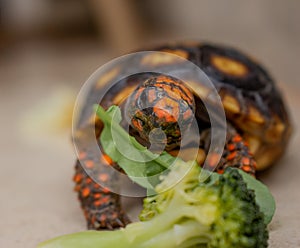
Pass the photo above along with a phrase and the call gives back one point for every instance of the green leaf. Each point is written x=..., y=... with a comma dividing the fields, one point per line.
x=263, y=196
x=141, y=165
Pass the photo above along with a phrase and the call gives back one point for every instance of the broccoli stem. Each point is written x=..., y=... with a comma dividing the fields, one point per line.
x=182, y=233
x=89, y=239
x=185, y=234
x=164, y=221
x=154, y=233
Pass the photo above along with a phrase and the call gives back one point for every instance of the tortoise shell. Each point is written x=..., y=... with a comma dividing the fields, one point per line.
x=252, y=102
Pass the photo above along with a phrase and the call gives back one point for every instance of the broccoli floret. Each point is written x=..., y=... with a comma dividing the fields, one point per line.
x=223, y=207
x=220, y=212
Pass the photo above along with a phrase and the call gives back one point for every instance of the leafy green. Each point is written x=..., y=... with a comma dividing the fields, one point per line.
x=141, y=165
x=263, y=197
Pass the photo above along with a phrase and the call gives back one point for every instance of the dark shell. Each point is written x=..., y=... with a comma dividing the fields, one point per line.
x=252, y=102
x=251, y=99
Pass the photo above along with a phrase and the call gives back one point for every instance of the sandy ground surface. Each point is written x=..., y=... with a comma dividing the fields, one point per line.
x=36, y=162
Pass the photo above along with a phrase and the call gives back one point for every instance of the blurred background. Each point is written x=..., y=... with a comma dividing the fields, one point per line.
x=48, y=48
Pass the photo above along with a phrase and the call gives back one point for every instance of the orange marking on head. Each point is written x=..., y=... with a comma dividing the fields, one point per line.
x=220, y=171
x=168, y=88
x=179, y=95
x=162, y=79
x=137, y=124
x=158, y=84
x=175, y=108
x=85, y=192
x=162, y=112
x=183, y=91
x=159, y=112
x=176, y=92
x=170, y=102
x=161, y=104
x=170, y=118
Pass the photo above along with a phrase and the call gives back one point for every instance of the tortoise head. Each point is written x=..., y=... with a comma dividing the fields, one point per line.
x=160, y=110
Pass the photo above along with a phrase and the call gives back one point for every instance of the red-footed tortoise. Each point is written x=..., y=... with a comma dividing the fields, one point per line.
x=258, y=123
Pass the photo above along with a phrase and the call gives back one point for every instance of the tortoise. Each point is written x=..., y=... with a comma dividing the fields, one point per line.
x=258, y=129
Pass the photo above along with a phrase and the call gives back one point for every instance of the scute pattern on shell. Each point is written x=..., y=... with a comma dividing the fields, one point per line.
x=252, y=102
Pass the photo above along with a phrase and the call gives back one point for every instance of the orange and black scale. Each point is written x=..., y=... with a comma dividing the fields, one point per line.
x=162, y=102
x=236, y=154
x=100, y=206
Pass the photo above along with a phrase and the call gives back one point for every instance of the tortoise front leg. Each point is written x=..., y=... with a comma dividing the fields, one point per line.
x=102, y=208
x=236, y=153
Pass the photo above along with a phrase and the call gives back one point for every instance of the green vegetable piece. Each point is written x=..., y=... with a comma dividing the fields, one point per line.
x=221, y=212
x=87, y=239
x=140, y=164
x=263, y=197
